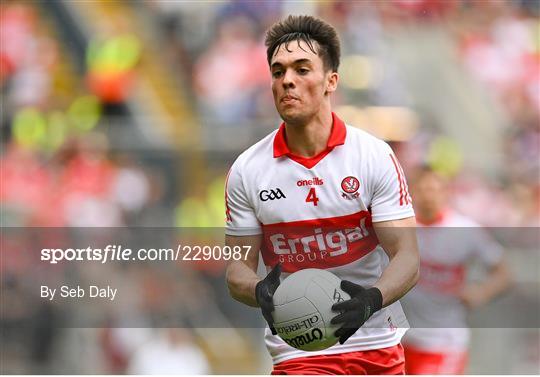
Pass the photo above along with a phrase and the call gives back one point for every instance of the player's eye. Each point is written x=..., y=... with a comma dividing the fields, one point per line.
x=277, y=74
x=303, y=71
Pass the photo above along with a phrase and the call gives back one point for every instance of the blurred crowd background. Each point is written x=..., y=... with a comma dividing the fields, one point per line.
x=129, y=114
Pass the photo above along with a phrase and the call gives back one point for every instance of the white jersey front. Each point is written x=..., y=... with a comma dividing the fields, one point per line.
x=317, y=213
x=434, y=309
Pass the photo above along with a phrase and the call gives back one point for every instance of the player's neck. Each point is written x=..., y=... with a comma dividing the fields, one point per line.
x=310, y=139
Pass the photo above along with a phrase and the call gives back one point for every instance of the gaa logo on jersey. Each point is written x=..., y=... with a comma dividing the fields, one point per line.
x=266, y=195
x=350, y=186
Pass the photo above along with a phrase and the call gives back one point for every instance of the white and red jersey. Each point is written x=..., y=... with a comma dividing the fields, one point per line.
x=434, y=309
x=316, y=213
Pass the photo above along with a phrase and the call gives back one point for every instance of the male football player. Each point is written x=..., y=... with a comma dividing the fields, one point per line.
x=436, y=308
x=317, y=193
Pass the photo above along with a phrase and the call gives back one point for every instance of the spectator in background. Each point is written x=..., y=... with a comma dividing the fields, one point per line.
x=436, y=308
x=130, y=187
x=17, y=28
x=230, y=71
x=111, y=59
x=86, y=184
x=27, y=58
x=23, y=189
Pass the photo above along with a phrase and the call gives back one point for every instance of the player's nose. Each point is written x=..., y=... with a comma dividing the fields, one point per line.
x=288, y=79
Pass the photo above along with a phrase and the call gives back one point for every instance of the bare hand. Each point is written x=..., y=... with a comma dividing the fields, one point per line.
x=473, y=296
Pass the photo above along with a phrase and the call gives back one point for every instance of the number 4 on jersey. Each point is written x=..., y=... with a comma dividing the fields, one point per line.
x=312, y=197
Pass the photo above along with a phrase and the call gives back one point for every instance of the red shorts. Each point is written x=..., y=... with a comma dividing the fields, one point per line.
x=422, y=362
x=389, y=360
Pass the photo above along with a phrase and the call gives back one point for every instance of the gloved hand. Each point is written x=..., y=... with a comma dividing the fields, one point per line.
x=356, y=311
x=264, y=294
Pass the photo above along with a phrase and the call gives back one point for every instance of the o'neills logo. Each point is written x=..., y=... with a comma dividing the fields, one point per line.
x=310, y=182
x=308, y=337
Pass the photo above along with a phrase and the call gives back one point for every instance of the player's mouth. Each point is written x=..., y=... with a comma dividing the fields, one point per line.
x=288, y=99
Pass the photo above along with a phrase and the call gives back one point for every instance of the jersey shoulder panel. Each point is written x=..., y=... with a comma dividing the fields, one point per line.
x=370, y=148
x=365, y=139
x=386, y=186
x=241, y=206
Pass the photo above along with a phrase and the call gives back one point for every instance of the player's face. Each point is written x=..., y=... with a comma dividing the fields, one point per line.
x=300, y=83
x=429, y=195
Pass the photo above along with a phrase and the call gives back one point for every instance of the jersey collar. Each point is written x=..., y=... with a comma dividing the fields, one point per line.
x=337, y=137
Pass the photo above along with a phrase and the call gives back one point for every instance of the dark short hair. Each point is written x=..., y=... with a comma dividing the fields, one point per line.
x=307, y=29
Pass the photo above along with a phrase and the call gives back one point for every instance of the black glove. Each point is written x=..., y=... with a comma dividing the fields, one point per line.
x=356, y=311
x=264, y=294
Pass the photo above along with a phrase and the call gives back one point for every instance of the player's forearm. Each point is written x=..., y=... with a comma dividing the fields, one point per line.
x=241, y=281
x=498, y=281
x=399, y=277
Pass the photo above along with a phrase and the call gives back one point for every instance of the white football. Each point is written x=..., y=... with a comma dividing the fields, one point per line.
x=303, y=303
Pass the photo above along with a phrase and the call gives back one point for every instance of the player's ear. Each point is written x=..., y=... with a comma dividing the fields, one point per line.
x=332, y=79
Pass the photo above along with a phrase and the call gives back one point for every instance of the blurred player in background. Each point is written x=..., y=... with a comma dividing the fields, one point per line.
x=436, y=308
x=315, y=174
